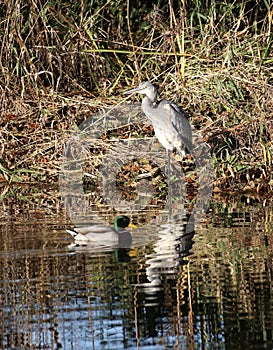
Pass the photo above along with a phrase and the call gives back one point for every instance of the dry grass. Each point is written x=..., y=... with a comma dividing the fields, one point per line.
x=61, y=63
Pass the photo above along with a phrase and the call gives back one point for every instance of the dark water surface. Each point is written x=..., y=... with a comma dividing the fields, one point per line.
x=209, y=289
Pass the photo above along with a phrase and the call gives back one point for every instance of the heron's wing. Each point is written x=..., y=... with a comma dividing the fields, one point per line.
x=179, y=122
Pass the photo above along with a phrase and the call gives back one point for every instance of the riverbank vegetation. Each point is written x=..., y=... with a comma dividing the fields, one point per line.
x=62, y=61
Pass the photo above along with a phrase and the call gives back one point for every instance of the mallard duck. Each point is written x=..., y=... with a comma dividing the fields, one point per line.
x=104, y=235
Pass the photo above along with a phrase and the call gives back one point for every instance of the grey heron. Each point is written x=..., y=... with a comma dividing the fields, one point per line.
x=171, y=126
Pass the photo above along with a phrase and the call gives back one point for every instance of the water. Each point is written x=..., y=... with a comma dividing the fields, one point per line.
x=209, y=289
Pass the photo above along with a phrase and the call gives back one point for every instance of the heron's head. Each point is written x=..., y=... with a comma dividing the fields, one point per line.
x=144, y=88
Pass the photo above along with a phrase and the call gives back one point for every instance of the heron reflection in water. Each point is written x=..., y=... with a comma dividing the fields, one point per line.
x=171, y=126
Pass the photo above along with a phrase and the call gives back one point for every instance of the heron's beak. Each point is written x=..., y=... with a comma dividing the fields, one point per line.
x=131, y=91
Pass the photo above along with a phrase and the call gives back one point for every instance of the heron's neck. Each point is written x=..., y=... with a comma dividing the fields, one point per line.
x=148, y=102
x=152, y=95
x=148, y=107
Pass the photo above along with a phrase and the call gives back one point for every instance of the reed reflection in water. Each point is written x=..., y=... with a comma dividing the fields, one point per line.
x=210, y=290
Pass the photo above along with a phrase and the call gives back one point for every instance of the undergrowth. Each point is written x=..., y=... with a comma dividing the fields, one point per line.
x=62, y=61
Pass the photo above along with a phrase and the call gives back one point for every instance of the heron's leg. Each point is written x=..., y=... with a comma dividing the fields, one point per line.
x=168, y=174
x=168, y=170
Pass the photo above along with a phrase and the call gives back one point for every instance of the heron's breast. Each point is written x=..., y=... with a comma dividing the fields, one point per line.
x=164, y=138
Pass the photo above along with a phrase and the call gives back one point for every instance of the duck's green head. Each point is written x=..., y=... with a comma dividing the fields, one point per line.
x=122, y=221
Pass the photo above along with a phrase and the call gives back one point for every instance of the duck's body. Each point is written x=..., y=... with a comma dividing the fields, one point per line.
x=171, y=126
x=104, y=235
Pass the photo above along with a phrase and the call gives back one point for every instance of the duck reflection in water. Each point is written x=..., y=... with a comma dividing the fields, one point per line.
x=114, y=237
